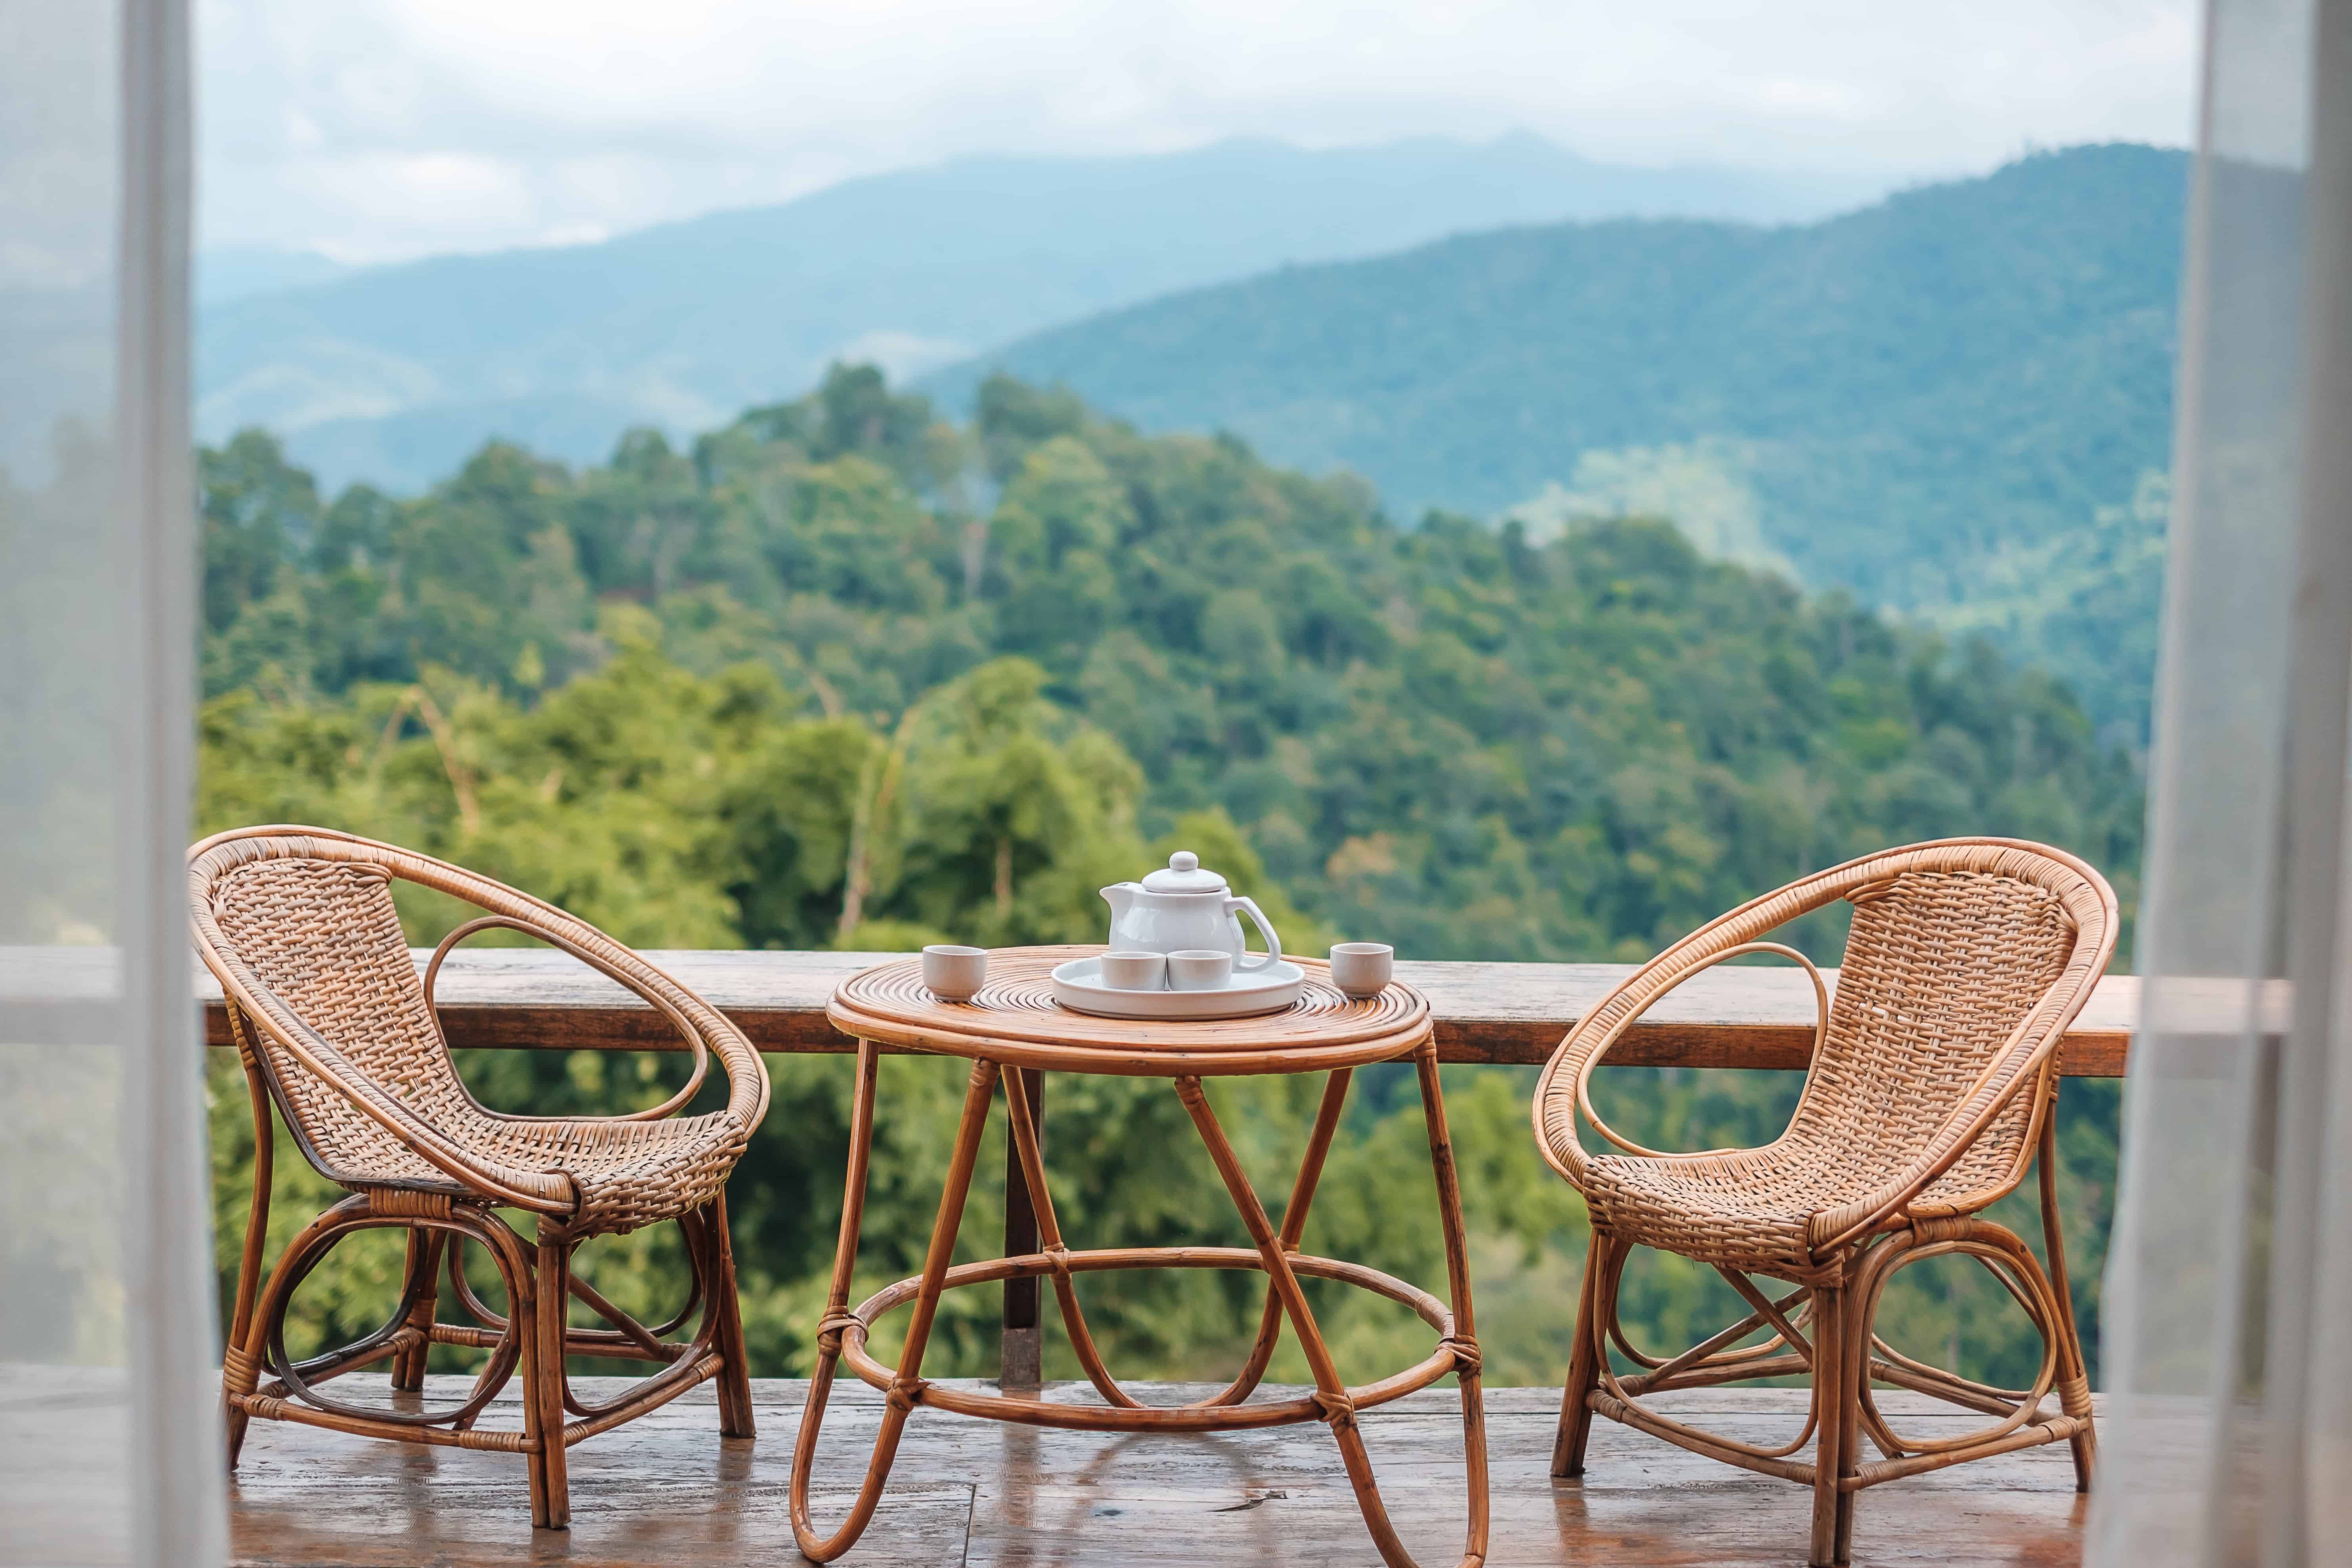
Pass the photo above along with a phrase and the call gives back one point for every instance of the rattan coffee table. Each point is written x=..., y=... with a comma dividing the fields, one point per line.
x=1015, y=1026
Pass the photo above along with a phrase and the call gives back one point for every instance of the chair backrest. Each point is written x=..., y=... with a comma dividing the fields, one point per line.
x=1966, y=960
x=1944, y=964
x=299, y=926
x=306, y=922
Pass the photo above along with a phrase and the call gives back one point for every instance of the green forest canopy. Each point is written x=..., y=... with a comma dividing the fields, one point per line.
x=1908, y=388
x=845, y=673
x=1947, y=401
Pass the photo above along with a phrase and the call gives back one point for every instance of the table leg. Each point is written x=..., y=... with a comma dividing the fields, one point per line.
x=1330, y=1390
x=1294, y=1229
x=1030, y=1173
x=1466, y=1361
x=907, y=1387
x=1022, y=1364
x=1029, y=1164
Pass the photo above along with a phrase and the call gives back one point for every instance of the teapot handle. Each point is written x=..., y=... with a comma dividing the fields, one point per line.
x=1244, y=964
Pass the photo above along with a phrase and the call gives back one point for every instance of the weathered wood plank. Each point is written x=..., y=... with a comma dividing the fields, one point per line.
x=1510, y=1013
x=664, y=1492
x=1503, y=1013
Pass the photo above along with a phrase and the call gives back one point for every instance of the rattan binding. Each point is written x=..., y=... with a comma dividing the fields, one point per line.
x=337, y=1029
x=1930, y=1092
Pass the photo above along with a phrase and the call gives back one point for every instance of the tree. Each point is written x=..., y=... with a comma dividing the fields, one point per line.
x=772, y=695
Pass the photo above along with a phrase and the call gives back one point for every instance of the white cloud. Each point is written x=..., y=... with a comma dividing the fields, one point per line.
x=382, y=128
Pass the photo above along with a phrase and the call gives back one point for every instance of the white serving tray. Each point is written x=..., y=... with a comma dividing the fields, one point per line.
x=1078, y=985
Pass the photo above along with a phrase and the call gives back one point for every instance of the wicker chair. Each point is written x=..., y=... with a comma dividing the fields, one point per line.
x=1932, y=1085
x=334, y=1026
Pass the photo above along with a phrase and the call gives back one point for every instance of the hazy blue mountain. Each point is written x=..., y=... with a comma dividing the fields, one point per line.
x=1895, y=399
x=394, y=374
x=227, y=272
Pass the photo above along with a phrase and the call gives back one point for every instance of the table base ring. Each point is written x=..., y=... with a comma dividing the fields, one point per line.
x=843, y=1332
x=1446, y=1358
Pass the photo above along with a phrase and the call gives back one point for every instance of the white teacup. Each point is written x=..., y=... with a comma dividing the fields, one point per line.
x=954, y=973
x=1362, y=970
x=1134, y=971
x=1199, y=969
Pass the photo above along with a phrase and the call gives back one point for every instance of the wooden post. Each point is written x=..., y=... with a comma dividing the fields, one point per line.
x=1022, y=1358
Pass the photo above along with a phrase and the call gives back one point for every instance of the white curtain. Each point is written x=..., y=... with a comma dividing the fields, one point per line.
x=2227, y=1312
x=108, y=1426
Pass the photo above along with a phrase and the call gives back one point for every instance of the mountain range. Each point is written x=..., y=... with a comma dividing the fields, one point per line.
x=227, y=272
x=392, y=374
x=1885, y=399
x=1956, y=401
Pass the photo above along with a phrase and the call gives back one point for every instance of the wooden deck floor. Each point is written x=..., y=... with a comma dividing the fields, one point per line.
x=664, y=1492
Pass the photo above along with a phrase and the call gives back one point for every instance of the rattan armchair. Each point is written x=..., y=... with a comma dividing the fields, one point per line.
x=1931, y=1089
x=336, y=1028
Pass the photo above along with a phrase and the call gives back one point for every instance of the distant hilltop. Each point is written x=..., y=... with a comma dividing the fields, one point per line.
x=1954, y=402
x=394, y=374
x=1885, y=399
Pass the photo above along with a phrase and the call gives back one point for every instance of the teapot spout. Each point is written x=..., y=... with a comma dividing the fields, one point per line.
x=1120, y=897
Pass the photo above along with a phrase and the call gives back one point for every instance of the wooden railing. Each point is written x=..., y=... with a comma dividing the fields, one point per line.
x=528, y=998
x=1495, y=1012
x=523, y=998
x=533, y=999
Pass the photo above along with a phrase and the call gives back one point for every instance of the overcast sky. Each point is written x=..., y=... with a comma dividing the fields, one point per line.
x=376, y=129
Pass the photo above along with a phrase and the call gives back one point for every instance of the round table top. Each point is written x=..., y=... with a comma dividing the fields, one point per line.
x=1015, y=1019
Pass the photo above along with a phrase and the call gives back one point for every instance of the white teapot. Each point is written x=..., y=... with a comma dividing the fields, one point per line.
x=1185, y=907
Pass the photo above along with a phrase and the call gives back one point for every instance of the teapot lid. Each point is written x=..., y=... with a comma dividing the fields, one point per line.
x=1184, y=874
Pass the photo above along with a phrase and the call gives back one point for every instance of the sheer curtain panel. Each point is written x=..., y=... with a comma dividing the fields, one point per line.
x=2229, y=1302
x=108, y=1424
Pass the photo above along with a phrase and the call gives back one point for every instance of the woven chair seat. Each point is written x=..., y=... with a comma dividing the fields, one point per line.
x=654, y=1170
x=1758, y=1209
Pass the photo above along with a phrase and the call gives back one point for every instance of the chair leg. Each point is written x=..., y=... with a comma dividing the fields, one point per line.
x=2084, y=1442
x=1583, y=1364
x=1854, y=1339
x=719, y=1279
x=240, y=1375
x=522, y=1307
x=240, y=1372
x=420, y=1287
x=551, y=1497
x=2074, y=1373
x=1831, y=1396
